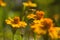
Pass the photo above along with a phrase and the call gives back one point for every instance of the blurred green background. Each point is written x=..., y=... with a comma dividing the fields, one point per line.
x=14, y=8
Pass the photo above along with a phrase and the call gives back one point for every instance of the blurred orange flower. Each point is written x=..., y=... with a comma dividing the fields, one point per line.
x=40, y=14
x=48, y=23
x=3, y=4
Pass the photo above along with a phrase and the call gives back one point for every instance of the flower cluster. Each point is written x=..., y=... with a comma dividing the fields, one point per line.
x=38, y=22
x=40, y=25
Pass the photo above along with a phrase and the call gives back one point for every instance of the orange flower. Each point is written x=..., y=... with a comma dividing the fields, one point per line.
x=40, y=14
x=15, y=22
x=2, y=3
x=48, y=23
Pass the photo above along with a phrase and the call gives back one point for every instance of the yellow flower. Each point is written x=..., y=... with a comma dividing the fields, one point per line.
x=15, y=22
x=31, y=16
x=23, y=24
x=53, y=33
x=25, y=4
x=9, y=20
x=29, y=4
x=37, y=23
x=39, y=31
x=58, y=31
x=2, y=3
x=36, y=27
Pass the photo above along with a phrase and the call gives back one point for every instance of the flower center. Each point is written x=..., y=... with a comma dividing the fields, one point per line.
x=16, y=20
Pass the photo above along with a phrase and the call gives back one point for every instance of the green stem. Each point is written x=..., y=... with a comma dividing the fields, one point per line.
x=3, y=33
x=21, y=38
x=23, y=18
x=35, y=37
x=23, y=15
x=46, y=36
x=21, y=34
x=13, y=37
